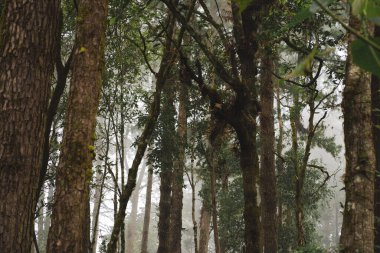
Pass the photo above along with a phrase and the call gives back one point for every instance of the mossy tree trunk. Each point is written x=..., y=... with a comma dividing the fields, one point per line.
x=358, y=218
x=70, y=213
x=375, y=94
x=267, y=168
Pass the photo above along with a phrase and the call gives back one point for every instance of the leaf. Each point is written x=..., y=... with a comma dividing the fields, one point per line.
x=306, y=13
x=112, y=21
x=365, y=56
x=243, y=4
x=299, y=17
x=373, y=11
x=358, y=6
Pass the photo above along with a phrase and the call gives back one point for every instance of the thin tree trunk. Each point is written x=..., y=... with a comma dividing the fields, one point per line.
x=214, y=163
x=131, y=225
x=62, y=73
x=267, y=170
x=299, y=215
x=179, y=164
x=279, y=147
x=195, y=226
x=204, y=227
x=148, y=199
x=28, y=36
x=358, y=218
x=375, y=93
x=166, y=63
x=69, y=228
x=100, y=179
x=41, y=222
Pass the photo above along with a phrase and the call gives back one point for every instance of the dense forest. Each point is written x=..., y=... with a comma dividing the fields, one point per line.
x=189, y=126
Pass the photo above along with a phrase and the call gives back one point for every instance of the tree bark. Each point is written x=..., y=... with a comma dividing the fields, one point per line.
x=375, y=94
x=358, y=218
x=148, y=199
x=69, y=228
x=27, y=38
x=267, y=169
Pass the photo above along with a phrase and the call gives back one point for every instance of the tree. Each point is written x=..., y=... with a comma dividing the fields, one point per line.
x=241, y=112
x=267, y=168
x=69, y=229
x=178, y=168
x=28, y=32
x=358, y=218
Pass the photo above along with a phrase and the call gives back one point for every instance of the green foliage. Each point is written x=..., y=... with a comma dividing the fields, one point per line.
x=231, y=203
x=315, y=194
x=365, y=56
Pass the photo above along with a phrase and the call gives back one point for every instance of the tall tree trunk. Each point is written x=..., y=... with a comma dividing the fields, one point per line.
x=27, y=39
x=179, y=165
x=375, y=94
x=69, y=228
x=131, y=225
x=148, y=199
x=299, y=215
x=358, y=218
x=204, y=227
x=166, y=173
x=267, y=169
x=214, y=164
x=279, y=147
x=195, y=226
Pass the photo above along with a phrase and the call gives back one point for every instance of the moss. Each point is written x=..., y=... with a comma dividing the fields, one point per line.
x=91, y=148
x=89, y=174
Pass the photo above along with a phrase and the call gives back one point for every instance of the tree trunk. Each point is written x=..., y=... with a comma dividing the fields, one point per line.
x=166, y=162
x=27, y=39
x=299, y=215
x=279, y=147
x=195, y=226
x=249, y=164
x=68, y=232
x=99, y=193
x=358, y=218
x=204, y=227
x=267, y=170
x=375, y=93
x=148, y=199
x=214, y=164
x=131, y=225
x=179, y=165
